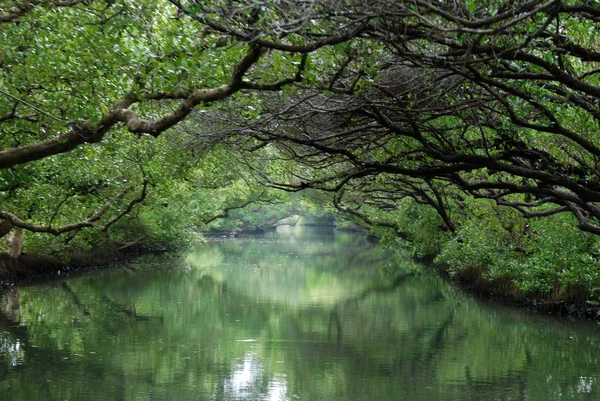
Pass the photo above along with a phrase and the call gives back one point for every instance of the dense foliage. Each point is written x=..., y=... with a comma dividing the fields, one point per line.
x=469, y=128
x=85, y=85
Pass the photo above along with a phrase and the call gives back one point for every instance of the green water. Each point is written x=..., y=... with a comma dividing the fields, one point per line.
x=295, y=315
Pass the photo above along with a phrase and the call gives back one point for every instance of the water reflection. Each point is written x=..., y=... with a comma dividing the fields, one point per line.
x=299, y=314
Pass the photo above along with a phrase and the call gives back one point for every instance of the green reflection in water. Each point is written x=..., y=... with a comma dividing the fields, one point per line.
x=298, y=314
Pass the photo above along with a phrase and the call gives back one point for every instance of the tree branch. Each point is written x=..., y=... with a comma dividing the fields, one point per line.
x=89, y=222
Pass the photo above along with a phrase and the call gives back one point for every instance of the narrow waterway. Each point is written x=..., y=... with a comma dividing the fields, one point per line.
x=301, y=314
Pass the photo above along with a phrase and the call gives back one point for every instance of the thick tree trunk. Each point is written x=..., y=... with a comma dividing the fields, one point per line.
x=15, y=243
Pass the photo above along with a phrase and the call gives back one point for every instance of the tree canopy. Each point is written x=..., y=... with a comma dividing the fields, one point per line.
x=85, y=83
x=108, y=104
x=496, y=100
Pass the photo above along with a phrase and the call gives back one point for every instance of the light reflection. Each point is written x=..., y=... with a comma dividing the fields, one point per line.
x=245, y=382
x=585, y=385
x=12, y=351
x=244, y=377
x=278, y=390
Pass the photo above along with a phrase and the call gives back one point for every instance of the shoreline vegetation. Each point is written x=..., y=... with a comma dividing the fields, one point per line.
x=572, y=301
x=504, y=290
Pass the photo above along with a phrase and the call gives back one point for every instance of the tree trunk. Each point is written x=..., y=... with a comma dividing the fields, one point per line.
x=15, y=243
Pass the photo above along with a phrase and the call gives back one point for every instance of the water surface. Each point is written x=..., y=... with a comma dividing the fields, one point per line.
x=301, y=314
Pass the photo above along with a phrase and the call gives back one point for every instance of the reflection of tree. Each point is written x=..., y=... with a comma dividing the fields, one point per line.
x=17, y=339
x=13, y=304
x=9, y=325
x=334, y=316
x=355, y=254
x=401, y=336
x=438, y=342
x=74, y=298
x=334, y=321
x=121, y=310
x=296, y=272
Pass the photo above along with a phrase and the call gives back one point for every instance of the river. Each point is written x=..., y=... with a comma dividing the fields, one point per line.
x=298, y=314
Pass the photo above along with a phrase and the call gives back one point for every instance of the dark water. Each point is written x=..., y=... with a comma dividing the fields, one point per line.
x=302, y=315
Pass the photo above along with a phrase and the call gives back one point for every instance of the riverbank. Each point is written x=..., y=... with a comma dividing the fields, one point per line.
x=29, y=269
x=571, y=301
